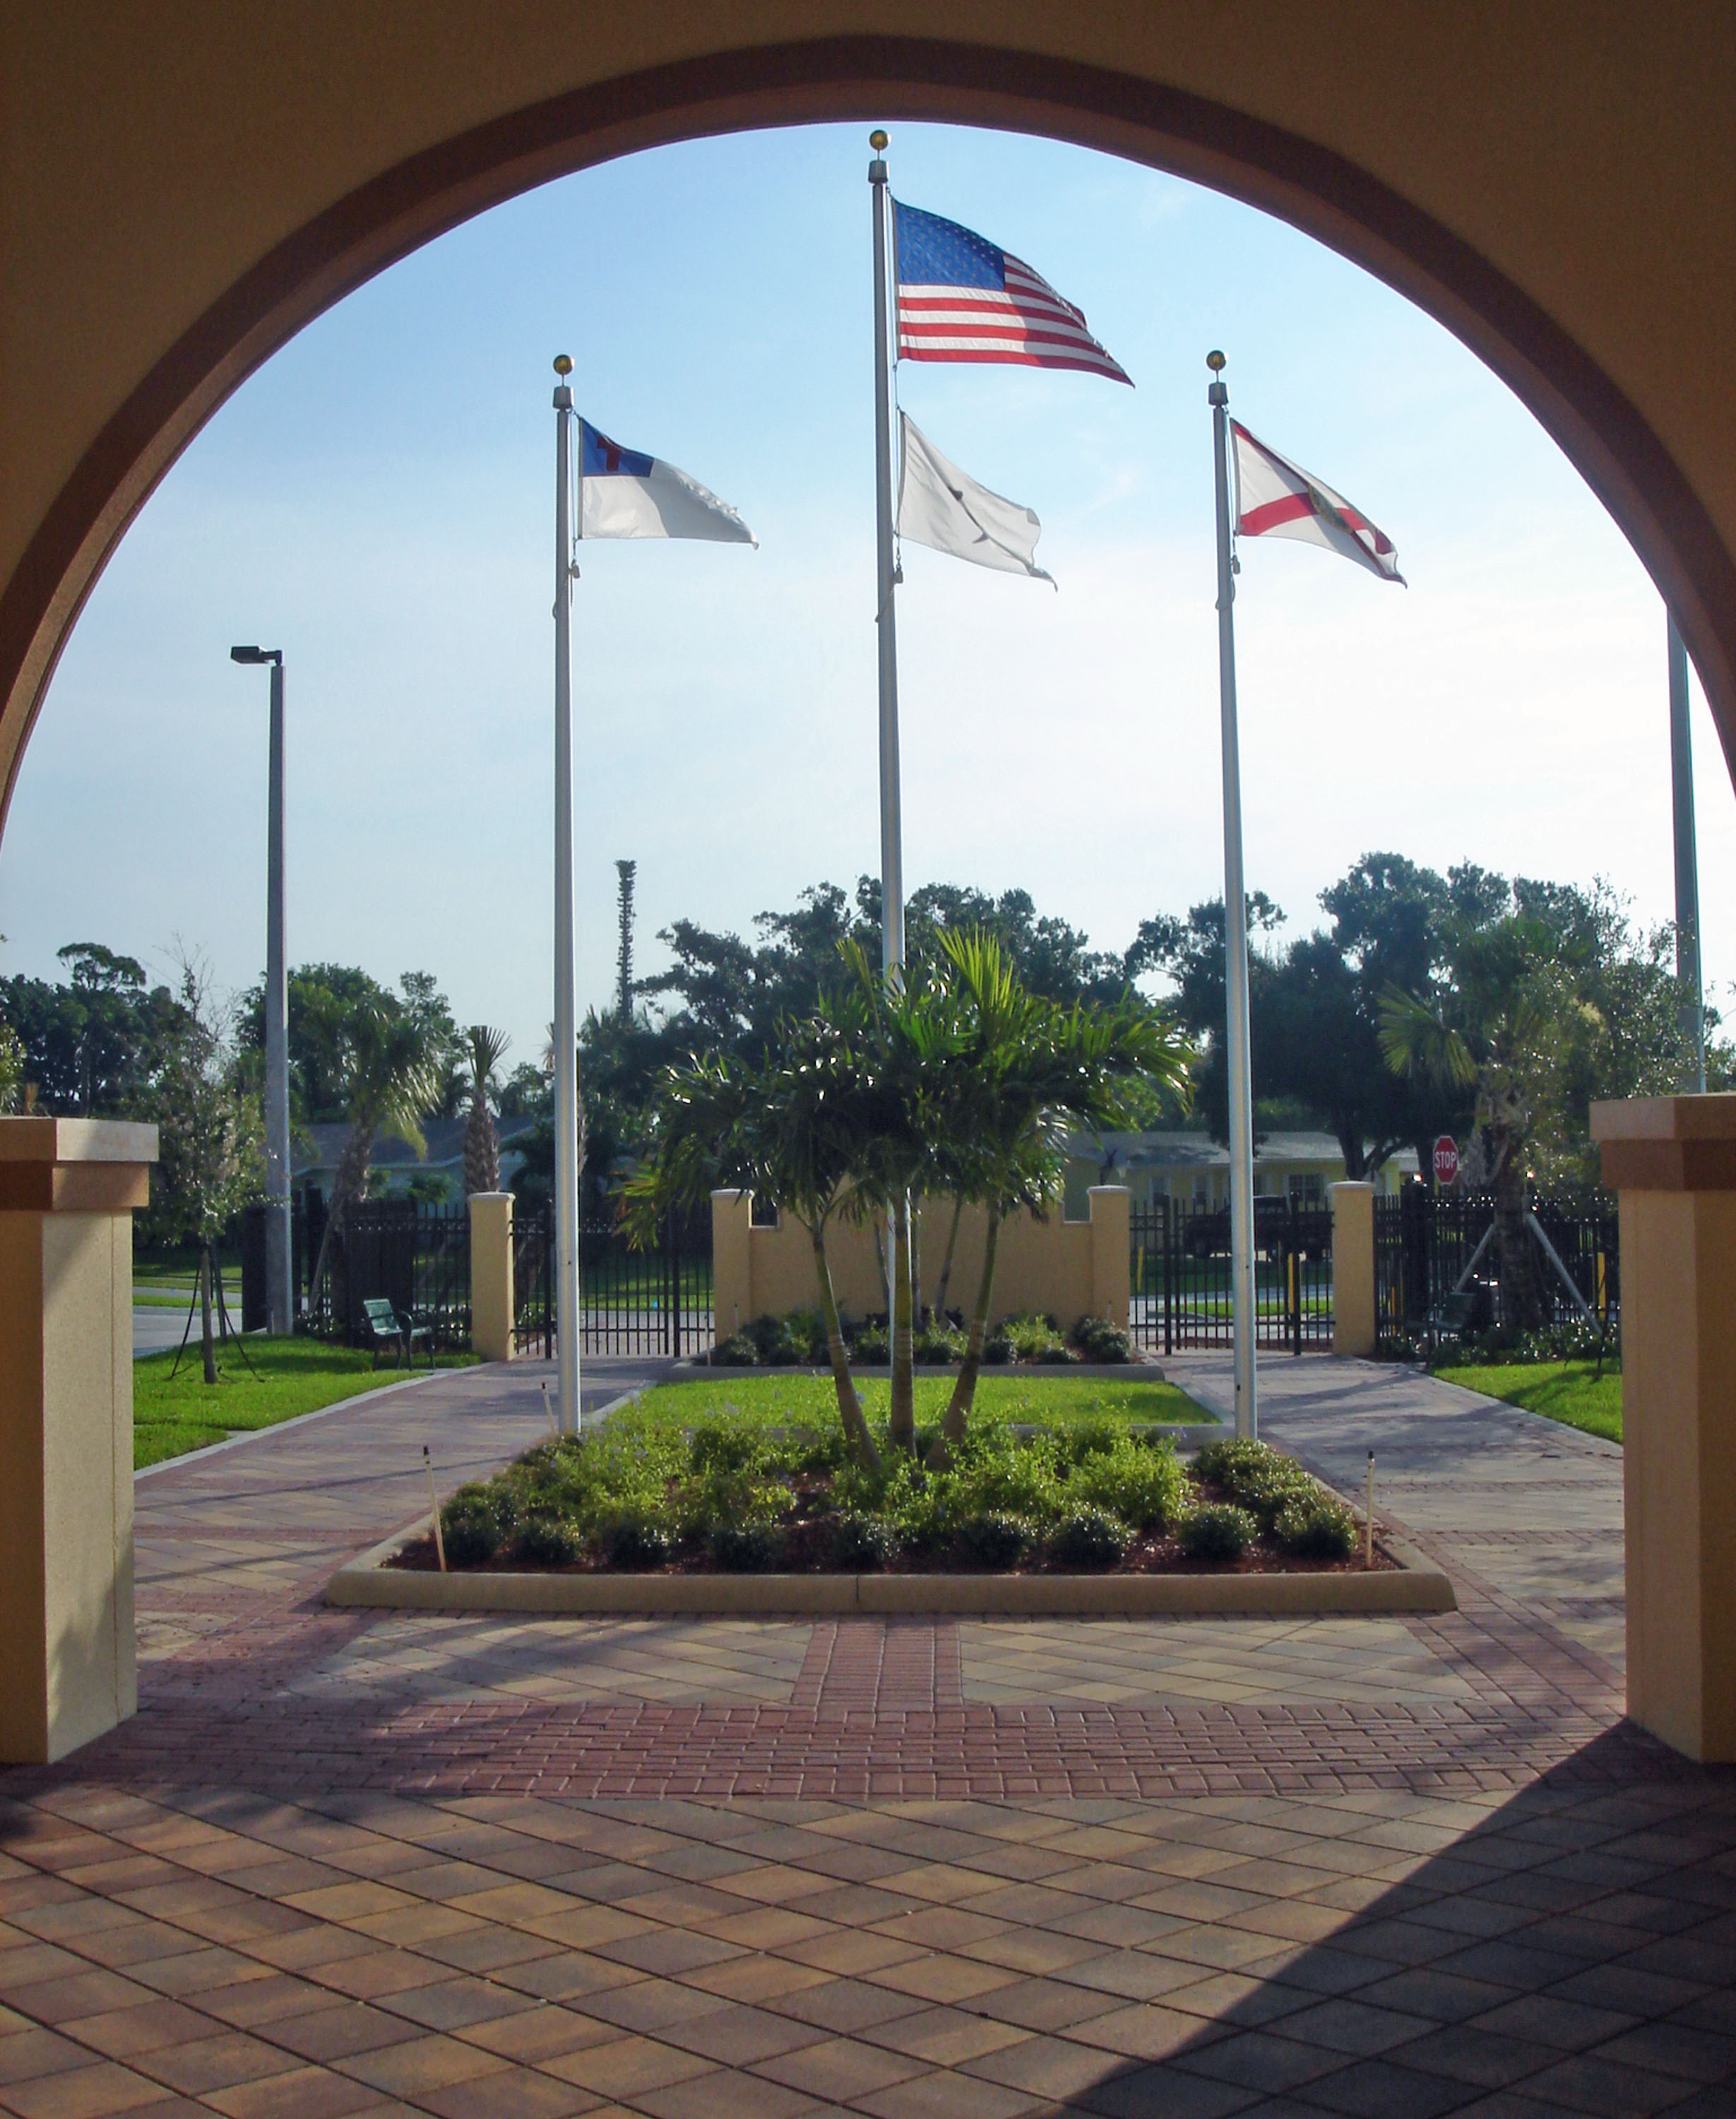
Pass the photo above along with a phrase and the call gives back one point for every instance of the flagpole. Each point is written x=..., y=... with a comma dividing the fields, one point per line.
x=566, y=1316
x=891, y=821
x=1688, y=867
x=1235, y=937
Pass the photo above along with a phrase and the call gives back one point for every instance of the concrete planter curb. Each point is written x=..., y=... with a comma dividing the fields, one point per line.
x=1085, y=1372
x=1415, y=1585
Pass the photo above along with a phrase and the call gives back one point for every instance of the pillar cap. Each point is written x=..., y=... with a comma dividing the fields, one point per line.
x=1668, y=1143
x=1666, y=1118
x=76, y=1140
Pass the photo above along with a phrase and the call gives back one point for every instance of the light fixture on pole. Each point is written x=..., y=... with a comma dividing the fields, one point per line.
x=280, y=1279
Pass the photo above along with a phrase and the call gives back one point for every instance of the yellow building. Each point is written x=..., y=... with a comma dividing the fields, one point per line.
x=1191, y=1167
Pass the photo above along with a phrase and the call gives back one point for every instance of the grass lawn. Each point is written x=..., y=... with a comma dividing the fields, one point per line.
x=1571, y=1392
x=1050, y=1400
x=295, y=1376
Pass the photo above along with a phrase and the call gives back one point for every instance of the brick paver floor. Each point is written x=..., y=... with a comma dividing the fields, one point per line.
x=350, y=1863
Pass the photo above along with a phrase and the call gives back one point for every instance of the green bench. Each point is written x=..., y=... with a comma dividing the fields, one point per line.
x=386, y=1329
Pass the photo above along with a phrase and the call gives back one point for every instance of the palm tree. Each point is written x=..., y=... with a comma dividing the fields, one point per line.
x=782, y=1130
x=483, y=1048
x=392, y=1076
x=1020, y=1068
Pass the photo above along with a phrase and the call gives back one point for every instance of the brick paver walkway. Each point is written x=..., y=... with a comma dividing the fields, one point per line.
x=367, y=1863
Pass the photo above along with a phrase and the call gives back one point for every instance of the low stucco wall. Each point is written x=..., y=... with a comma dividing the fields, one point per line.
x=1068, y=1269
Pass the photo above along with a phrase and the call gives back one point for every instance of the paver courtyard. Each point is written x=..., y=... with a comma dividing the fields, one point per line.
x=351, y=1862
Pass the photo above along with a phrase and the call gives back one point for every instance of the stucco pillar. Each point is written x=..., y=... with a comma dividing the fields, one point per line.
x=1112, y=1272
x=1673, y=1161
x=1354, y=1327
x=68, y=1189
x=732, y=1262
x=493, y=1308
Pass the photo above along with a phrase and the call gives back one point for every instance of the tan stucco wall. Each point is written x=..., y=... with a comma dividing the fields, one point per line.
x=67, y=1669
x=491, y=1309
x=1353, y=1269
x=1066, y=1269
x=1672, y=1160
x=184, y=188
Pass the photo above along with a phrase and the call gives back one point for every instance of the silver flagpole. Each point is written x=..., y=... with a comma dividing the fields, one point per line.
x=891, y=823
x=1687, y=866
x=567, y=1318
x=1235, y=932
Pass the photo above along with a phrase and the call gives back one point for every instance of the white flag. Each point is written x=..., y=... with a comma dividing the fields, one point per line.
x=1277, y=498
x=940, y=507
x=627, y=494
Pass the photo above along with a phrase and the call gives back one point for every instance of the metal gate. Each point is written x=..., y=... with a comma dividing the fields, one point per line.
x=1180, y=1275
x=651, y=1301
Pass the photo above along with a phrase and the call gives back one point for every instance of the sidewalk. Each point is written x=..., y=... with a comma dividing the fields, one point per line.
x=345, y=1863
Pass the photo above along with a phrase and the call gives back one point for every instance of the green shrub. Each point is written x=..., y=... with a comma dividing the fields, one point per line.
x=995, y=1541
x=633, y=1540
x=1140, y=1483
x=921, y=1506
x=1099, y=1340
x=862, y=1543
x=547, y=1541
x=997, y=1349
x=1255, y=1477
x=746, y=1548
x=994, y=1476
x=1035, y=1338
x=939, y=1343
x=1088, y=1437
x=1321, y=1529
x=1216, y=1532
x=873, y=1345
x=717, y=1444
x=471, y=1526
x=788, y=1342
x=1088, y=1538
x=738, y=1351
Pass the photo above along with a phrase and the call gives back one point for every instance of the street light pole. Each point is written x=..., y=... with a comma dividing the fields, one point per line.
x=280, y=1279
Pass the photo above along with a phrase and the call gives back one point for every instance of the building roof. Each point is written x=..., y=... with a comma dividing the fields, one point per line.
x=318, y=1147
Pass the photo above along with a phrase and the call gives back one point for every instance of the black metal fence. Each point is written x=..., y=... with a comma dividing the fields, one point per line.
x=1433, y=1247
x=418, y=1258
x=1180, y=1275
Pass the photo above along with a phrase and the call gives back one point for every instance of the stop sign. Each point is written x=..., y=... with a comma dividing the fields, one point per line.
x=1447, y=1160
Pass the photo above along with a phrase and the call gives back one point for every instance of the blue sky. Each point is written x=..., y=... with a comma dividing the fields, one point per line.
x=378, y=501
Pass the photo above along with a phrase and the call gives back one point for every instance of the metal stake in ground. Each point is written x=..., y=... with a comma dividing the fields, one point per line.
x=567, y=1314
x=1235, y=940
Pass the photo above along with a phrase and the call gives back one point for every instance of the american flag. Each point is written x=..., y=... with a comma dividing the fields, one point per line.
x=960, y=298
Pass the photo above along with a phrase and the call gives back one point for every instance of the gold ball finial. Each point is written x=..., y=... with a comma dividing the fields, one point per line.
x=562, y=364
x=879, y=142
x=1216, y=362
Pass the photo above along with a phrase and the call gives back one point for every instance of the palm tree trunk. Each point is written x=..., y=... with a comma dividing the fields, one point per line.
x=349, y=1182
x=903, y=1417
x=850, y=1415
x=206, y=1342
x=964, y=1388
x=1521, y=1306
x=945, y=1265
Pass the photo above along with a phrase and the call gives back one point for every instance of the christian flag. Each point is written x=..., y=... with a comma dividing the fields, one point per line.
x=963, y=298
x=1277, y=498
x=627, y=494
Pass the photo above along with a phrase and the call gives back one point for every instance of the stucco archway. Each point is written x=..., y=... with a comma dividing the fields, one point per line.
x=1555, y=185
